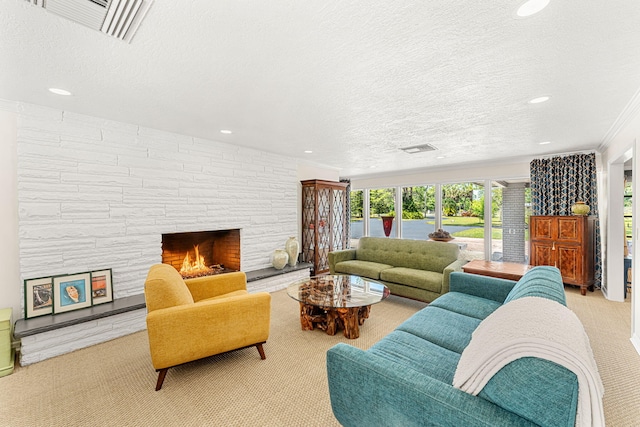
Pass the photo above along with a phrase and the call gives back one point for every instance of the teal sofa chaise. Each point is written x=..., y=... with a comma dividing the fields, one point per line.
x=406, y=378
x=417, y=269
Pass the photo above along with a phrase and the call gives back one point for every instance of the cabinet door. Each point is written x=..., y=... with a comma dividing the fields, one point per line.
x=543, y=227
x=543, y=253
x=338, y=231
x=309, y=224
x=323, y=229
x=570, y=263
x=569, y=229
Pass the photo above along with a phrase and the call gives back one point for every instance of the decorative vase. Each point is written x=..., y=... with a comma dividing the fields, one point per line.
x=292, y=247
x=387, y=223
x=279, y=259
x=580, y=208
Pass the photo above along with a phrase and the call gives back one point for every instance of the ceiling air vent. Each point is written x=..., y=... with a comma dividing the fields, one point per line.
x=419, y=148
x=117, y=18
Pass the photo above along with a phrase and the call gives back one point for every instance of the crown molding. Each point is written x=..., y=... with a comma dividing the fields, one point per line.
x=629, y=111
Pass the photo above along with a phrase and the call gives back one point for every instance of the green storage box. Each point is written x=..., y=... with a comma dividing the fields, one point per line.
x=7, y=354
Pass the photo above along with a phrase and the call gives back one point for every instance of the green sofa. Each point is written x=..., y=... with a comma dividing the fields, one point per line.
x=417, y=269
x=406, y=378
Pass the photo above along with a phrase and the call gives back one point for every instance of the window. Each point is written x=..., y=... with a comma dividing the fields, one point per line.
x=357, y=215
x=463, y=215
x=418, y=212
x=381, y=203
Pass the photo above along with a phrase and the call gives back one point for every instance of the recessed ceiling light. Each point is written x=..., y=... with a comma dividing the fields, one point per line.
x=59, y=91
x=545, y=142
x=226, y=131
x=308, y=151
x=531, y=7
x=440, y=157
x=539, y=99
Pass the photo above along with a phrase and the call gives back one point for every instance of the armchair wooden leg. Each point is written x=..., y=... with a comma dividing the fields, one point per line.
x=161, y=374
x=261, y=351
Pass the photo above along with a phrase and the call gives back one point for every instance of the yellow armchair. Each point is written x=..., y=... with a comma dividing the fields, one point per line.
x=191, y=319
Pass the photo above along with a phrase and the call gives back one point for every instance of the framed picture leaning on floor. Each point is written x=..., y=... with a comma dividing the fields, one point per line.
x=71, y=292
x=101, y=286
x=38, y=297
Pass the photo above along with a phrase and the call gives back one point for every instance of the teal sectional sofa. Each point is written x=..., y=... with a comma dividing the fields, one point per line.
x=406, y=378
x=417, y=269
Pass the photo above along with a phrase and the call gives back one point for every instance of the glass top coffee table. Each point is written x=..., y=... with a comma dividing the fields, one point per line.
x=336, y=302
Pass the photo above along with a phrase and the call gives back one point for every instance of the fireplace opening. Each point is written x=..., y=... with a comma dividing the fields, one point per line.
x=202, y=253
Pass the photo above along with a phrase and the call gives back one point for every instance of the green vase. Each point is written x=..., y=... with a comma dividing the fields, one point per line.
x=580, y=208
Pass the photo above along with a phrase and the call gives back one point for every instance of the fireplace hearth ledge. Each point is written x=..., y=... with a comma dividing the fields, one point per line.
x=37, y=325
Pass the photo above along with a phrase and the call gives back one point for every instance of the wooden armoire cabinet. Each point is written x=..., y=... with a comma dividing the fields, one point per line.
x=566, y=242
x=324, y=221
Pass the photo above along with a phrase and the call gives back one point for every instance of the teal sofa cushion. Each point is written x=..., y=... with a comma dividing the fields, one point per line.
x=361, y=268
x=445, y=328
x=423, y=279
x=535, y=389
x=541, y=282
x=468, y=305
x=418, y=354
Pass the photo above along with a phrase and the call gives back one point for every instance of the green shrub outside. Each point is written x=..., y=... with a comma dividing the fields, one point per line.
x=412, y=215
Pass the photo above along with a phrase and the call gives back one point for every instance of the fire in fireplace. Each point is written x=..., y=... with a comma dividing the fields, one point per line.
x=202, y=253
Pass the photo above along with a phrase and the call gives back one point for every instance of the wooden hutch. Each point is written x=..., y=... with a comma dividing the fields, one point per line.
x=566, y=242
x=324, y=221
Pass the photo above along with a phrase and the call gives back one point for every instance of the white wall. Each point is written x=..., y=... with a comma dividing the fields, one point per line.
x=626, y=138
x=10, y=285
x=95, y=194
x=446, y=175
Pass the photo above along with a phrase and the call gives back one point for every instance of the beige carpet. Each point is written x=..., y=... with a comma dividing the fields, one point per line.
x=113, y=383
x=608, y=325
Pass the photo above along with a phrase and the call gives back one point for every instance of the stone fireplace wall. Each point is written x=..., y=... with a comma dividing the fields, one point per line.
x=97, y=194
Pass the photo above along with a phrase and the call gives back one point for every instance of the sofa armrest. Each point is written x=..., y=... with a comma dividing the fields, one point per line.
x=188, y=332
x=367, y=390
x=216, y=285
x=454, y=266
x=339, y=256
x=480, y=286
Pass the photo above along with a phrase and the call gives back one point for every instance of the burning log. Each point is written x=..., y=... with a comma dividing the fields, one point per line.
x=197, y=268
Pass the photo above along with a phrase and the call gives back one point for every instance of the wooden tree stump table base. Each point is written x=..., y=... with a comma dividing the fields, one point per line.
x=331, y=320
x=331, y=303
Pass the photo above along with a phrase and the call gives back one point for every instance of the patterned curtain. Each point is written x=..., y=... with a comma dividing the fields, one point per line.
x=557, y=183
x=348, y=218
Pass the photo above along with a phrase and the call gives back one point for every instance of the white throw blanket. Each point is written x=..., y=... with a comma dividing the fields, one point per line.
x=533, y=327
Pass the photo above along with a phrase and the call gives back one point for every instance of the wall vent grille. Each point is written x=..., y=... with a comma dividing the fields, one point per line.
x=419, y=148
x=117, y=18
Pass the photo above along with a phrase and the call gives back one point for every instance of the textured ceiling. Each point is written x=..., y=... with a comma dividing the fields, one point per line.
x=354, y=81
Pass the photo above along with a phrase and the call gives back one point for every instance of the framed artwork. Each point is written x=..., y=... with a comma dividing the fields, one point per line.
x=101, y=286
x=71, y=292
x=38, y=297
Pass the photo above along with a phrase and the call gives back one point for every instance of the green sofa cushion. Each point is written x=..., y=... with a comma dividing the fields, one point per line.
x=442, y=327
x=468, y=305
x=418, y=254
x=362, y=268
x=418, y=354
x=422, y=279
